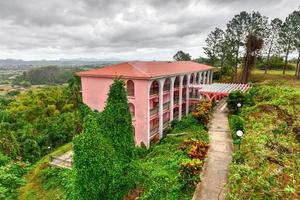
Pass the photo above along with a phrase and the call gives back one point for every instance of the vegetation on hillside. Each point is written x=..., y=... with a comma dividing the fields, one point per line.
x=267, y=164
x=49, y=75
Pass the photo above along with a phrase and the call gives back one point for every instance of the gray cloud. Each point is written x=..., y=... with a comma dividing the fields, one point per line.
x=135, y=29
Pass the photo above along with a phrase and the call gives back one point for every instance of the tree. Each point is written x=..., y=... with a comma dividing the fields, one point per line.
x=253, y=44
x=95, y=163
x=212, y=48
x=236, y=31
x=182, y=56
x=286, y=37
x=297, y=41
x=271, y=44
x=118, y=122
x=241, y=26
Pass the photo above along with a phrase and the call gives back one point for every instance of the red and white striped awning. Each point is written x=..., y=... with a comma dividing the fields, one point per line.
x=217, y=91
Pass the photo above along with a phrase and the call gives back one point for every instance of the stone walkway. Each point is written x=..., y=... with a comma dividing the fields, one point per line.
x=219, y=156
x=64, y=160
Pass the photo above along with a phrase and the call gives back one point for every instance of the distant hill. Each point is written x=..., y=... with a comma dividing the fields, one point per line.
x=18, y=63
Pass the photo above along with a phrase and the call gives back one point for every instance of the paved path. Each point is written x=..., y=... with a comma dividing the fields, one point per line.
x=64, y=160
x=219, y=156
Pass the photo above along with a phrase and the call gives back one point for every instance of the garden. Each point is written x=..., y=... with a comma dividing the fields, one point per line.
x=265, y=130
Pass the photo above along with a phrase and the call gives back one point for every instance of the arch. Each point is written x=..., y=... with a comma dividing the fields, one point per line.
x=154, y=89
x=197, y=78
x=192, y=78
x=130, y=88
x=167, y=84
x=176, y=82
x=184, y=82
x=132, y=109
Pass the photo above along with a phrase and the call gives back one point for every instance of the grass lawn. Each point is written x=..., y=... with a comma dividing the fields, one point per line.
x=267, y=166
x=275, y=75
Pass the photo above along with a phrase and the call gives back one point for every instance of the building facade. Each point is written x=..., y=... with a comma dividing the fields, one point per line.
x=158, y=92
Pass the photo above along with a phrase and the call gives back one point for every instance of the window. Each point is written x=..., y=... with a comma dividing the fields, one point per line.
x=132, y=110
x=130, y=88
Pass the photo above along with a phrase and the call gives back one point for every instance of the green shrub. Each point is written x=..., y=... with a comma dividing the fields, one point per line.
x=185, y=123
x=233, y=99
x=190, y=173
x=202, y=112
x=275, y=63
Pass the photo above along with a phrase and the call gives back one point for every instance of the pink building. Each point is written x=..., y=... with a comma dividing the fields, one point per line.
x=158, y=92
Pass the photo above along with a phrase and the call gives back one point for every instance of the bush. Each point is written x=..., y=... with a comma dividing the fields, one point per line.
x=275, y=63
x=185, y=123
x=202, y=112
x=190, y=173
x=233, y=99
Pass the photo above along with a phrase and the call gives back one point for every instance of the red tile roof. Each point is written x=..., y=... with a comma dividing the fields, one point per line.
x=146, y=69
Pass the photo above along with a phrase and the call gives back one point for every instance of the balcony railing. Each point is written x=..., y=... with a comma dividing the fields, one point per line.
x=166, y=123
x=154, y=91
x=153, y=111
x=166, y=105
x=153, y=130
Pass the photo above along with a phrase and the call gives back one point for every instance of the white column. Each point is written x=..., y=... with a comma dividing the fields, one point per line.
x=187, y=94
x=172, y=80
x=149, y=86
x=180, y=97
x=208, y=77
x=205, y=78
x=160, y=107
x=211, y=76
x=201, y=77
x=199, y=80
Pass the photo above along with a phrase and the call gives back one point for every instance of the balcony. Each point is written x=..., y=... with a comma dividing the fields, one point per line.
x=166, y=123
x=153, y=130
x=154, y=111
x=166, y=105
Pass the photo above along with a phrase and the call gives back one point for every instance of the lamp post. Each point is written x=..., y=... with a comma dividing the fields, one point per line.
x=238, y=105
x=239, y=133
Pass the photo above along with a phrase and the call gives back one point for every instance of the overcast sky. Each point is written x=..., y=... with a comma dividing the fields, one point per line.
x=124, y=29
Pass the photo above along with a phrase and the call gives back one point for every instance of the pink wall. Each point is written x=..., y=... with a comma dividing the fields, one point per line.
x=94, y=93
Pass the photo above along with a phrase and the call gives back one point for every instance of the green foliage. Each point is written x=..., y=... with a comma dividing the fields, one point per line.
x=96, y=167
x=44, y=75
x=11, y=178
x=35, y=120
x=104, y=154
x=202, y=112
x=190, y=172
x=269, y=158
x=161, y=166
x=182, y=56
x=233, y=99
x=117, y=122
x=275, y=63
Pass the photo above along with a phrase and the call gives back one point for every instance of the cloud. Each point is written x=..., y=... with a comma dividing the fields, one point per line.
x=130, y=29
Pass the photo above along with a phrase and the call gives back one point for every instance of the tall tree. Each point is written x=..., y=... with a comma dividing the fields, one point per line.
x=236, y=31
x=243, y=25
x=286, y=37
x=118, y=122
x=297, y=41
x=253, y=44
x=95, y=163
x=182, y=56
x=212, y=48
x=271, y=41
